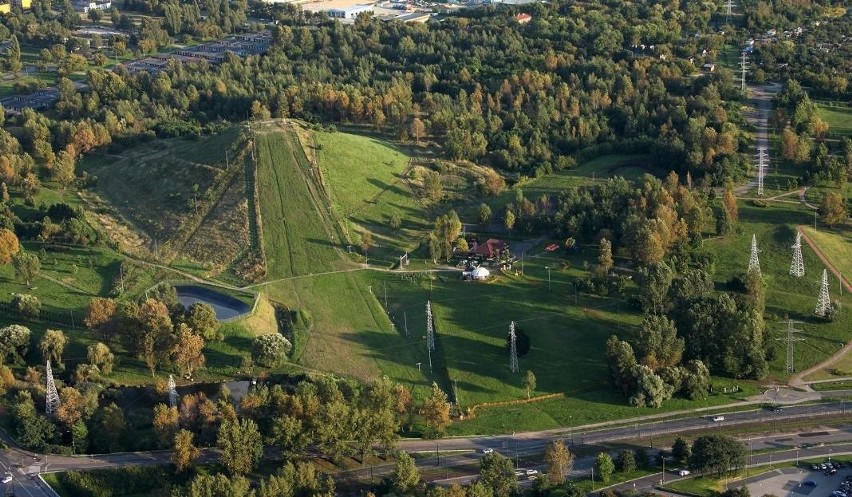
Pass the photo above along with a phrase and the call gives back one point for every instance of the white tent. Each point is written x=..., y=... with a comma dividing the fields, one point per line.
x=480, y=273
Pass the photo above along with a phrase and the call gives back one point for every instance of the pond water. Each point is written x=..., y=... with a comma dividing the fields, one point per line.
x=226, y=307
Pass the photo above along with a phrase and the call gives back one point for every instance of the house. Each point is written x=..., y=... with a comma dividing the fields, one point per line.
x=414, y=17
x=708, y=67
x=523, y=18
x=490, y=248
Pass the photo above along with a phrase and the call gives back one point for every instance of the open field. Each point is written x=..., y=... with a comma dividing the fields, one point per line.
x=839, y=119
x=367, y=185
x=154, y=188
x=299, y=235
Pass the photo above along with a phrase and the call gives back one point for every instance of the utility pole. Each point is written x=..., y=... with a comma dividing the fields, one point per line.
x=548, y=277
x=744, y=66
x=791, y=338
x=762, y=156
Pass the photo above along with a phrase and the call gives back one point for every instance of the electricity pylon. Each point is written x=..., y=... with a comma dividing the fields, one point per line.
x=791, y=338
x=797, y=267
x=513, y=349
x=51, y=397
x=754, y=262
x=824, y=300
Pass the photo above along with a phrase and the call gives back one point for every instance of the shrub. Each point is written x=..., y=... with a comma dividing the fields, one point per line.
x=14, y=342
x=270, y=350
x=28, y=306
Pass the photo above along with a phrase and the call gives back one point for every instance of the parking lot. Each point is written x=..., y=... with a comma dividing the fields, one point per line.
x=795, y=482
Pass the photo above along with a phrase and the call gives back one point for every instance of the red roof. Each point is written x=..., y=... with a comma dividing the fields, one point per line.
x=490, y=247
x=523, y=18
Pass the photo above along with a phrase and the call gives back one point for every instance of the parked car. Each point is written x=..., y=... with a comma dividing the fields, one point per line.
x=815, y=467
x=488, y=450
x=718, y=418
x=531, y=472
x=683, y=472
x=7, y=478
x=809, y=483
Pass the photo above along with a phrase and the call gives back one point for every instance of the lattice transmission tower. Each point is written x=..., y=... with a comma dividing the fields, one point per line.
x=743, y=71
x=173, y=395
x=430, y=333
x=762, y=157
x=51, y=397
x=513, y=349
x=797, y=267
x=824, y=300
x=791, y=338
x=754, y=261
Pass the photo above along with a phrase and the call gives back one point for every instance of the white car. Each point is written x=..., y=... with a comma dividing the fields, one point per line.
x=488, y=451
x=531, y=472
x=718, y=418
x=683, y=472
x=7, y=478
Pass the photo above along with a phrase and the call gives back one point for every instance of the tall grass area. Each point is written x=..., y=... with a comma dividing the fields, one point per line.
x=786, y=296
x=299, y=236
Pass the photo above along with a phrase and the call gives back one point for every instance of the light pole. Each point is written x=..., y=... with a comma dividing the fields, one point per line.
x=548, y=277
x=663, y=474
x=797, y=458
x=593, y=477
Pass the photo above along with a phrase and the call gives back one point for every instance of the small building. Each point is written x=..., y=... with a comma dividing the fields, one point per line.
x=85, y=6
x=480, y=274
x=523, y=18
x=708, y=68
x=349, y=12
x=490, y=248
x=414, y=17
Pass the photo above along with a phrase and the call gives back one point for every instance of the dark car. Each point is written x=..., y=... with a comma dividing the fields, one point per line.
x=809, y=483
x=776, y=409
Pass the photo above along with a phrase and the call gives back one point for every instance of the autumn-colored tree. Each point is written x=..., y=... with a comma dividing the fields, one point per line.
x=9, y=246
x=165, y=423
x=559, y=461
x=436, y=409
x=71, y=406
x=63, y=168
x=187, y=353
x=529, y=383
x=509, y=220
x=418, y=129
x=729, y=202
x=184, y=452
x=101, y=317
x=789, y=143
x=154, y=335
x=605, y=261
x=832, y=209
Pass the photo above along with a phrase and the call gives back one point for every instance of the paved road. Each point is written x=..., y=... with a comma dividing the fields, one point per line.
x=522, y=446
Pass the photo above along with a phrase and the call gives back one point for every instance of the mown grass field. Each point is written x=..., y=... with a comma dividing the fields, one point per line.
x=299, y=235
x=839, y=119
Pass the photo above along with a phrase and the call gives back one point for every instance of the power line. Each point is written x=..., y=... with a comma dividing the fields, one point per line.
x=791, y=338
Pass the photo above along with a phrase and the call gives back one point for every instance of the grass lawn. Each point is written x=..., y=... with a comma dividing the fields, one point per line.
x=785, y=294
x=839, y=119
x=299, y=235
x=836, y=245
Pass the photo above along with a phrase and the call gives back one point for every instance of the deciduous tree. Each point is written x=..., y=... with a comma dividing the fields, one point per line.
x=184, y=452
x=51, y=345
x=26, y=265
x=101, y=317
x=497, y=473
x=604, y=466
x=99, y=355
x=529, y=382
x=9, y=246
x=436, y=409
x=405, y=475
x=202, y=319
x=166, y=424
x=241, y=445
x=832, y=209
x=559, y=461
x=188, y=351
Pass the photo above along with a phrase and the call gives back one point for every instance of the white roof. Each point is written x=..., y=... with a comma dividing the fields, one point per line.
x=480, y=272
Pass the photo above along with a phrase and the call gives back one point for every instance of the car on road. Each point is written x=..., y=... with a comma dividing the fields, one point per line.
x=531, y=472
x=809, y=483
x=683, y=472
x=815, y=467
x=487, y=450
x=7, y=478
x=718, y=418
x=777, y=409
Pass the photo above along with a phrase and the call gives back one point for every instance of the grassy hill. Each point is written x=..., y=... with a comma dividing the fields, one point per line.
x=170, y=193
x=299, y=234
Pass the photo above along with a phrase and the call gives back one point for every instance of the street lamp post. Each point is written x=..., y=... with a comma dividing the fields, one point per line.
x=663, y=474
x=548, y=277
x=797, y=458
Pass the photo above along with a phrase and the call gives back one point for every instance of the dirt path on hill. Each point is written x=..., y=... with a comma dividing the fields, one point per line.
x=824, y=259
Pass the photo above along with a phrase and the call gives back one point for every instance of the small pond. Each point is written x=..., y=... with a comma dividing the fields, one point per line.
x=226, y=307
